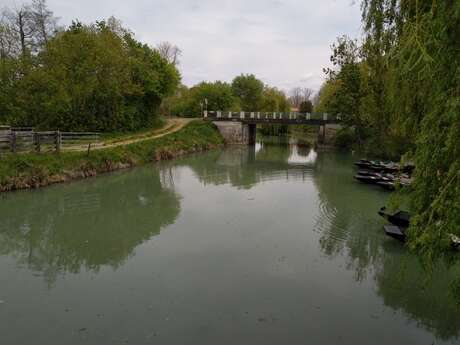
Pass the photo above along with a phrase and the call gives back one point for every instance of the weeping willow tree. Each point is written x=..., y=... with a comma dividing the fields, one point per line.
x=412, y=48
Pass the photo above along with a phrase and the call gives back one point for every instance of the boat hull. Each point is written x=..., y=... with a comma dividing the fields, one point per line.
x=395, y=232
x=400, y=218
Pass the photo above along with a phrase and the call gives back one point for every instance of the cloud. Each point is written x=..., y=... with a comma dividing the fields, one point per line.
x=285, y=43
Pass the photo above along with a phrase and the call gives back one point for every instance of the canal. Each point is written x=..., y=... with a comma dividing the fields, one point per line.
x=273, y=244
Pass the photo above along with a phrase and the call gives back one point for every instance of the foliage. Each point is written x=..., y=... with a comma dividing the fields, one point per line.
x=88, y=77
x=344, y=138
x=274, y=100
x=220, y=96
x=400, y=91
x=249, y=90
x=306, y=107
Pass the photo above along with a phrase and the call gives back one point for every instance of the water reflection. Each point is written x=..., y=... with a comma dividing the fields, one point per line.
x=350, y=228
x=91, y=224
x=86, y=224
x=245, y=167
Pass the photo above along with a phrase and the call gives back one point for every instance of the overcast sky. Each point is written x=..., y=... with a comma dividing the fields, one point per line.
x=285, y=43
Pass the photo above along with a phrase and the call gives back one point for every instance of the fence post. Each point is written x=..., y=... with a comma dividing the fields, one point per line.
x=58, y=141
x=37, y=142
x=13, y=141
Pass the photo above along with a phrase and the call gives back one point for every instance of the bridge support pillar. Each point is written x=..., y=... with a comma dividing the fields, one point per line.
x=252, y=132
x=235, y=132
x=326, y=133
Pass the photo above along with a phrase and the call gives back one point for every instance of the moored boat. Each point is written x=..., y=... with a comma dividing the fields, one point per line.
x=388, y=185
x=372, y=177
x=400, y=218
x=396, y=232
x=363, y=163
x=368, y=179
x=388, y=167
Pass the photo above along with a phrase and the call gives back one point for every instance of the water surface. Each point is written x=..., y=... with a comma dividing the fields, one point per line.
x=272, y=244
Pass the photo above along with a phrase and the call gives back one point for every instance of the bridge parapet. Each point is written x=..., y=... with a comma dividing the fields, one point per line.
x=272, y=117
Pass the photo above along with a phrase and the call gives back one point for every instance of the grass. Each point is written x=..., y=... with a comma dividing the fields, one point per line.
x=35, y=170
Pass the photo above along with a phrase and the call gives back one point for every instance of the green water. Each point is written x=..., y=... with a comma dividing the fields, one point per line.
x=266, y=245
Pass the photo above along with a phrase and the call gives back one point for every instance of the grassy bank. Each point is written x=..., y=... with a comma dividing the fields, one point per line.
x=26, y=171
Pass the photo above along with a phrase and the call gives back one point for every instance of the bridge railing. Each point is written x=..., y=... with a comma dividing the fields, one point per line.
x=267, y=116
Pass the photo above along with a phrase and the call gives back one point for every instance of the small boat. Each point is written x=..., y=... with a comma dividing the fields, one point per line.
x=390, y=167
x=363, y=163
x=400, y=218
x=373, y=177
x=391, y=185
x=388, y=185
x=365, y=172
x=395, y=232
x=370, y=179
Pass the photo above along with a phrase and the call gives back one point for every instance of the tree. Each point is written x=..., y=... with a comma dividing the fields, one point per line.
x=274, y=100
x=190, y=102
x=347, y=78
x=45, y=24
x=20, y=25
x=299, y=95
x=169, y=52
x=89, y=77
x=306, y=107
x=249, y=90
x=27, y=29
x=296, y=97
x=401, y=86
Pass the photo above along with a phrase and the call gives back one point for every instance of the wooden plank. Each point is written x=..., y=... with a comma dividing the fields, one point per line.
x=80, y=137
x=79, y=133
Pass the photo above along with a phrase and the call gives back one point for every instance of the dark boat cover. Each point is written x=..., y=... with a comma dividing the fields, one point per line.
x=395, y=232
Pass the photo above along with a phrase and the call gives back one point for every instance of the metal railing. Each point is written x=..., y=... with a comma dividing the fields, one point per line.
x=271, y=116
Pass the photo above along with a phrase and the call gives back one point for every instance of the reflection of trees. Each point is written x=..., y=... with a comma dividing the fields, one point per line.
x=243, y=167
x=345, y=212
x=85, y=225
x=349, y=226
x=404, y=285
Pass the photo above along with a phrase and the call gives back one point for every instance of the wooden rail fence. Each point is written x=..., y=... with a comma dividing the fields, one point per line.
x=27, y=140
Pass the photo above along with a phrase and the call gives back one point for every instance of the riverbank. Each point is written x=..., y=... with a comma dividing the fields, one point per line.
x=28, y=171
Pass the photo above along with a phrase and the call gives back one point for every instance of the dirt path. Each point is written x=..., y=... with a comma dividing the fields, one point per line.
x=172, y=125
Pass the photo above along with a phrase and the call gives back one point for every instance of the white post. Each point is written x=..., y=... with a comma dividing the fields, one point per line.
x=241, y=114
x=252, y=114
x=258, y=114
x=229, y=114
x=219, y=114
x=325, y=116
x=205, y=114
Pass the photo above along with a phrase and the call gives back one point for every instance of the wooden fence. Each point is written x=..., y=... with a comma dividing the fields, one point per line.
x=27, y=140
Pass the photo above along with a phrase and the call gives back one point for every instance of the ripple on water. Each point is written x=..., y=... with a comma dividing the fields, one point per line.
x=330, y=224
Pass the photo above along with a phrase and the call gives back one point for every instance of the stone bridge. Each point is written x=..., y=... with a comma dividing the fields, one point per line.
x=240, y=127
